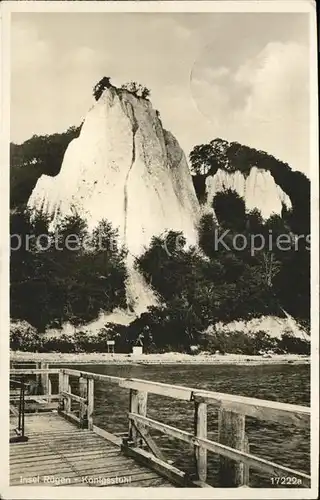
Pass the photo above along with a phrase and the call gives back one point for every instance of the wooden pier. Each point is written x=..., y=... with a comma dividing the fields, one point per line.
x=65, y=455
x=62, y=446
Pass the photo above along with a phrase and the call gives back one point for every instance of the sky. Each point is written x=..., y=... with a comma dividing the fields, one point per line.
x=239, y=76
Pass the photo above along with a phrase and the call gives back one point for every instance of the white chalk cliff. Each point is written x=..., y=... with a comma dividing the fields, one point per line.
x=258, y=189
x=124, y=167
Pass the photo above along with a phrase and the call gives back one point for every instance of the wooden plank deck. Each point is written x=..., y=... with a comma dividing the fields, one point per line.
x=60, y=454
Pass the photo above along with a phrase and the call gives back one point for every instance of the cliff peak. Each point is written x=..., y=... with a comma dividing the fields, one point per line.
x=126, y=168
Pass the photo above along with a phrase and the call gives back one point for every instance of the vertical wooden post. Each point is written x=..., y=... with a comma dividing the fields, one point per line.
x=69, y=399
x=45, y=379
x=83, y=391
x=38, y=380
x=90, y=402
x=133, y=408
x=246, y=469
x=142, y=410
x=232, y=433
x=200, y=430
x=138, y=404
x=67, y=406
x=61, y=388
x=49, y=390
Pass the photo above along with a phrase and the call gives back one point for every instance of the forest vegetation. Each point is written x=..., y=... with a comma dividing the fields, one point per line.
x=196, y=287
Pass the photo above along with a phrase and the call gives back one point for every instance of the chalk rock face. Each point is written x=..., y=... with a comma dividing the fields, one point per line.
x=124, y=167
x=275, y=326
x=258, y=189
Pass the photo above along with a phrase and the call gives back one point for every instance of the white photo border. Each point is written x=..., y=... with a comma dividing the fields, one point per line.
x=7, y=8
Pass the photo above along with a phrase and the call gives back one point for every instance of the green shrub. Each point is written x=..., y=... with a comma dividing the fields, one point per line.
x=23, y=337
x=294, y=345
x=59, y=284
x=136, y=89
x=238, y=342
x=63, y=344
x=100, y=87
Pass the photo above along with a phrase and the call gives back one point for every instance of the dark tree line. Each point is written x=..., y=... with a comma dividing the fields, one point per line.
x=196, y=288
x=54, y=280
x=206, y=159
x=292, y=283
x=200, y=288
x=41, y=154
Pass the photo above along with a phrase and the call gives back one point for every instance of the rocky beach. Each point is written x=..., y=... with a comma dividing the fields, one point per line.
x=158, y=359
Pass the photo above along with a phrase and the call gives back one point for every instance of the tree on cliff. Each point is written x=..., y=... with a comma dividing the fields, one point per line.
x=100, y=87
x=136, y=89
x=207, y=158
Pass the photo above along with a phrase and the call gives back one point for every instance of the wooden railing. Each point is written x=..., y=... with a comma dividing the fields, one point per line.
x=232, y=445
x=42, y=385
x=19, y=413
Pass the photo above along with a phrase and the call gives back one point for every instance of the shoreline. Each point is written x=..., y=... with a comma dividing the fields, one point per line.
x=158, y=359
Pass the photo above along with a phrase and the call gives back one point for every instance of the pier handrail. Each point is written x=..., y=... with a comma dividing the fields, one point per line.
x=283, y=413
x=233, y=409
x=221, y=449
x=232, y=445
x=20, y=429
x=43, y=381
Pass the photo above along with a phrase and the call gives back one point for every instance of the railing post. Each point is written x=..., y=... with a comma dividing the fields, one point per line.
x=49, y=390
x=66, y=387
x=246, y=469
x=45, y=379
x=23, y=408
x=90, y=403
x=20, y=407
x=200, y=430
x=138, y=404
x=61, y=388
x=232, y=433
x=83, y=391
x=38, y=379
